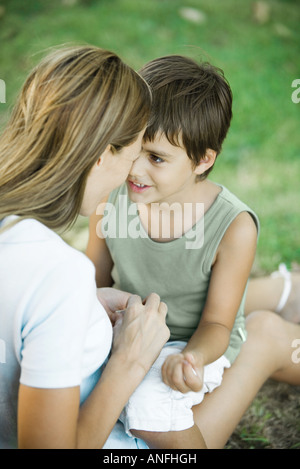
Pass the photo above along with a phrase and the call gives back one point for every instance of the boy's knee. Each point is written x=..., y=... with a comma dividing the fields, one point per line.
x=265, y=322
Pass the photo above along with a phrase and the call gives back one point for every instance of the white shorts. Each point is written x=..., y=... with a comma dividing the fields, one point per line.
x=154, y=406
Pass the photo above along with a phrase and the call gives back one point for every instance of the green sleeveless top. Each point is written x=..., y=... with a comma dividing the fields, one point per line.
x=179, y=270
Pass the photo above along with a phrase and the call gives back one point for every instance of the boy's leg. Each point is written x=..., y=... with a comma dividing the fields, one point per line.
x=266, y=353
x=154, y=408
x=265, y=293
x=184, y=439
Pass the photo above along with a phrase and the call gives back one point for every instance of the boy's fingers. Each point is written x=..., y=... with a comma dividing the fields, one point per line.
x=181, y=376
x=166, y=371
x=176, y=378
x=192, y=379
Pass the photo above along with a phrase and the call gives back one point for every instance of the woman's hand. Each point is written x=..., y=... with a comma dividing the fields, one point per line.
x=52, y=418
x=141, y=332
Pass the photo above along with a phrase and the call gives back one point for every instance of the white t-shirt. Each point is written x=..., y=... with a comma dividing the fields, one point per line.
x=54, y=333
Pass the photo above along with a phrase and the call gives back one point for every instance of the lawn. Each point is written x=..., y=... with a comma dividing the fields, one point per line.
x=256, y=43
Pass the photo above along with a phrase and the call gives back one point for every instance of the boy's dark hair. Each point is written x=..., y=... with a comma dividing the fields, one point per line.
x=192, y=104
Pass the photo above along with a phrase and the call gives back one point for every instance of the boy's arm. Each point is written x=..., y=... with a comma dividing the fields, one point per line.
x=230, y=272
x=98, y=252
x=229, y=277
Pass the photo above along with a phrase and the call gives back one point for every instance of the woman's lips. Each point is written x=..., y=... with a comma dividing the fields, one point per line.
x=137, y=187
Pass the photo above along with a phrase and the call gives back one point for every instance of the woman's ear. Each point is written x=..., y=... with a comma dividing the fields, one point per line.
x=103, y=155
x=206, y=162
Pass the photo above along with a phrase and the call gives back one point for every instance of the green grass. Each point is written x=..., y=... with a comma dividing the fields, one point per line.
x=272, y=420
x=260, y=158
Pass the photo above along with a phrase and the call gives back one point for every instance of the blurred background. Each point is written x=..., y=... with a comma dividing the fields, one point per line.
x=257, y=44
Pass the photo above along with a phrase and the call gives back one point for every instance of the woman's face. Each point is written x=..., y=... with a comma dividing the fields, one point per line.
x=110, y=171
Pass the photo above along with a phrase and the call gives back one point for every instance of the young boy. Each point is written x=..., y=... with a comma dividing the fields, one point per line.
x=172, y=231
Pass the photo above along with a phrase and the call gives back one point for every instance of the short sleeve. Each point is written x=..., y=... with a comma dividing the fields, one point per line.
x=57, y=323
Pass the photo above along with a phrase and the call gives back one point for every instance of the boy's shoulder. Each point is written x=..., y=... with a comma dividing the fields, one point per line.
x=229, y=196
x=218, y=196
x=224, y=195
x=228, y=206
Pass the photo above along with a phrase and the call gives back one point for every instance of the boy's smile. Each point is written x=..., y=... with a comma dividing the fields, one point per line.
x=137, y=187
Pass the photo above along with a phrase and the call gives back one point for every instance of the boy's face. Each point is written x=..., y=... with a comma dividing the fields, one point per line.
x=162, y=173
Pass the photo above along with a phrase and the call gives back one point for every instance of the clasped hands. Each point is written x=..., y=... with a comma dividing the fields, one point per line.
x=180, y=371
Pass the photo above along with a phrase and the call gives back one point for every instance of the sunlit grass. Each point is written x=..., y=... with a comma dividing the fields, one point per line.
x=260, y=159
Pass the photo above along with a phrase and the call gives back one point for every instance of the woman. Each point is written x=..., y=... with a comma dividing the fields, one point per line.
x=73, y=135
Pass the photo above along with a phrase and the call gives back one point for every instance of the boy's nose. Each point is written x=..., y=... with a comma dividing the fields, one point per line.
x=138, y=167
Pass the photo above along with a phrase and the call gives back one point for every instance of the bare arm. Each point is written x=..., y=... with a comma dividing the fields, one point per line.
x=51, y=418
x=230, y=273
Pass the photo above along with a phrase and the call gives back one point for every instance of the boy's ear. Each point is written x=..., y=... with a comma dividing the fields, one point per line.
x=206, y=162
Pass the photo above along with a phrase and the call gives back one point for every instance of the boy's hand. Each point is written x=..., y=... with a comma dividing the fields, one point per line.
x=113, y=302
x=181, y=373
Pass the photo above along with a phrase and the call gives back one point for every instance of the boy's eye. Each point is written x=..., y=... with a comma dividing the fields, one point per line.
x=155, y=159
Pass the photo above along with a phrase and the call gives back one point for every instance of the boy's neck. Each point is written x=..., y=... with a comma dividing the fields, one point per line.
x=166, y=221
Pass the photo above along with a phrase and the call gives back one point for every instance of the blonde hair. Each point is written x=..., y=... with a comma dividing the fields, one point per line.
x=74, y=103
